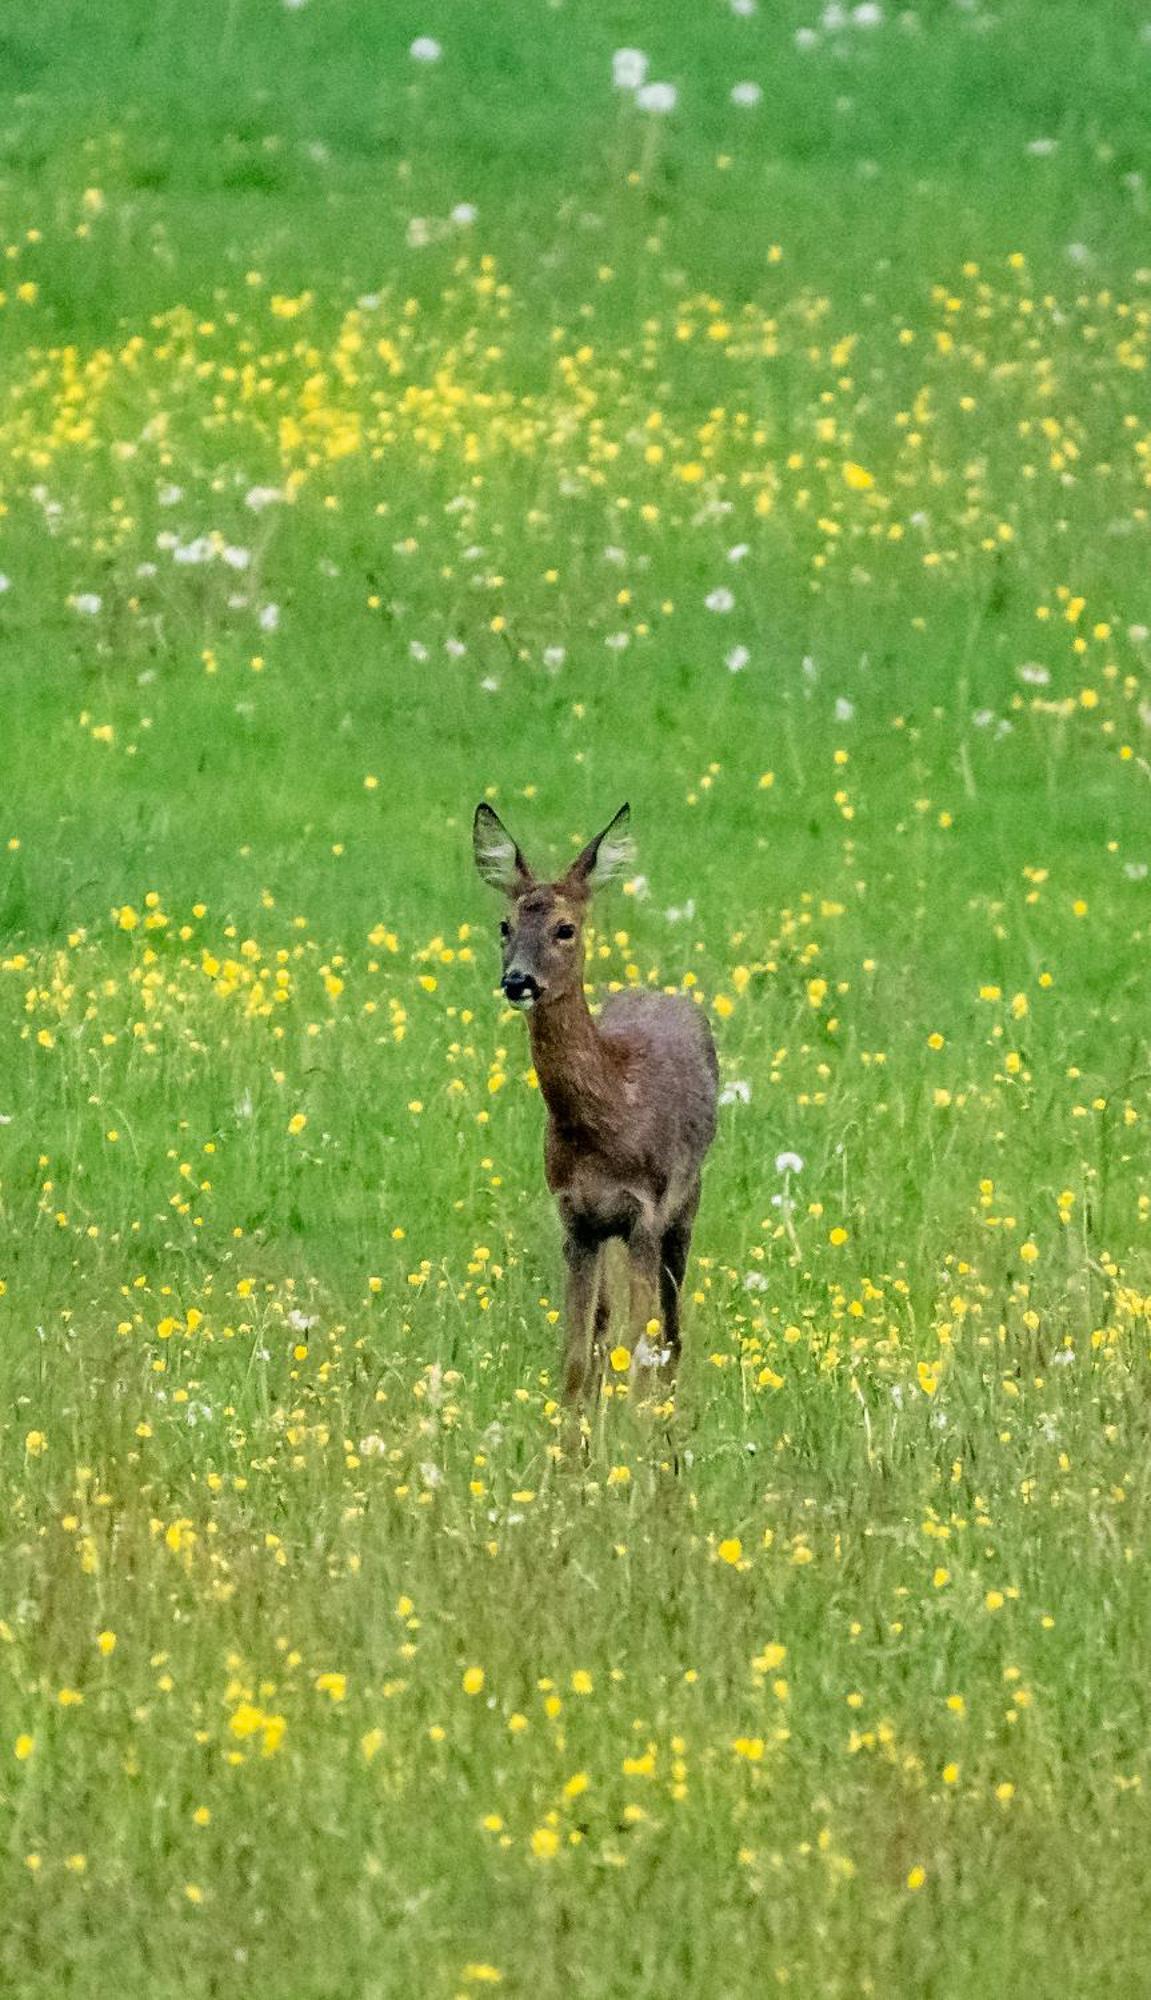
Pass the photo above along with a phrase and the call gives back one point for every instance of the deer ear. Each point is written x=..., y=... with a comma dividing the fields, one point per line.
x=497, y=857
x=609, y=855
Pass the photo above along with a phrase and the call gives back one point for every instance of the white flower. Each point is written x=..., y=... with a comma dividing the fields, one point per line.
x=720, y=600
x=755, y=1282
x=417, y=651
x=490, y=684
x=735, y=1092
x=788, y=1163
x=806, y=38
x=647, y=1356
x=867, y=15
x=464, y=213
x=834, y=17
x=1042, y=149
x=554, y=657
x=425, y=49
x=658, y=97
x=1033, y=674
x=744, y=8
x=372, y=1446
x=455, y=649
x=736, y=660
x=418, y=233
x=259, y=497
x=844, y=709
x=746, y=95
x=628, y=69
x=301, y=1322
x=617, y=642
x=5, y=584
x=738, y=552
x=237, y=558
x=270, y=618
x=87, y=602
x=170, y=496
x=199, y=550
x=1135, y=871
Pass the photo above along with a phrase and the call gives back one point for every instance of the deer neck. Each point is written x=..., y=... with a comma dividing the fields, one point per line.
x=575, y=1074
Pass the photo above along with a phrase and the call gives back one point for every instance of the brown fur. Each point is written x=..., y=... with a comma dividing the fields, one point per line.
x=631, y=1100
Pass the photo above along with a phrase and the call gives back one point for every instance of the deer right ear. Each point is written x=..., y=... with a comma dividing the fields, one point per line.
x=497, y=857
x=609, y=855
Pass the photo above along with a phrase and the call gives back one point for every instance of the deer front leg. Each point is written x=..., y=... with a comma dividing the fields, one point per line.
x=601, y=1323
x=582, y=1255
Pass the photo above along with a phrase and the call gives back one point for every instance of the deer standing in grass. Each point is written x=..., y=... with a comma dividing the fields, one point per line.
x=631, y=1099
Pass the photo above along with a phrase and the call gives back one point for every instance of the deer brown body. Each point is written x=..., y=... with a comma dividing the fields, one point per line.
x=630, y=1095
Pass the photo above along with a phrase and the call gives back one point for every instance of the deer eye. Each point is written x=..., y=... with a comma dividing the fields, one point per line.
x=505, y=928
x=565, y=931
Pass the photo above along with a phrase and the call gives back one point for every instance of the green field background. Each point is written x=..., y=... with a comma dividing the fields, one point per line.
x=380, y=434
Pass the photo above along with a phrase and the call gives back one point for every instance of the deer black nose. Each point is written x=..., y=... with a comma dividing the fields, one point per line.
x=520, y=986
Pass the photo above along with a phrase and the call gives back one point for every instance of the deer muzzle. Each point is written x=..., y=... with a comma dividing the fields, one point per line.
x=520, y=989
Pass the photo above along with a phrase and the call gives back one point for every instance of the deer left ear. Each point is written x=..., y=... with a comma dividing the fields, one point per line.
x=608, y=856
x=497, y=855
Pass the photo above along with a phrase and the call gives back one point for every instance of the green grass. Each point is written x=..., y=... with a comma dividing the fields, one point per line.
x=835, y=1682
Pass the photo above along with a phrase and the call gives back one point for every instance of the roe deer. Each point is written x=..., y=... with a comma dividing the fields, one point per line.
x=631, y=1100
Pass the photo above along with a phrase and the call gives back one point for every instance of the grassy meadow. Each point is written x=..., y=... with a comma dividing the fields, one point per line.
x=397, y=411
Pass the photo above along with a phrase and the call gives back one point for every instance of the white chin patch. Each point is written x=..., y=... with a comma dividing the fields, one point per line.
x=523, y=1006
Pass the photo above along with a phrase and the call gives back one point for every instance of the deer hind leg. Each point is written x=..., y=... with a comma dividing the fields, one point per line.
x=644, y=1287
x=584, y=1258
x=673, y=1265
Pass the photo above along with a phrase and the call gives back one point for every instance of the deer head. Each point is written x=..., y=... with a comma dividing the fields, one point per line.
x=542, y=933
